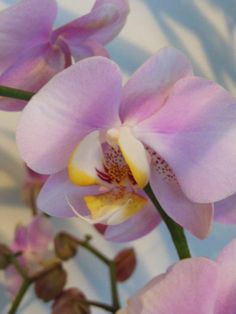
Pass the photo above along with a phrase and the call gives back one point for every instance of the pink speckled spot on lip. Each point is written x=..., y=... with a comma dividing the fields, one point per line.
x=161, y=166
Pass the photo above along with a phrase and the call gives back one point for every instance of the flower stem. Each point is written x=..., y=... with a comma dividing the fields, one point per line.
x=103, y=306
x=27, y=280
x=111, y=265
x=114, y=288
x=95, y=252
x=176, y=231
x=23, y=289
x=15, y=93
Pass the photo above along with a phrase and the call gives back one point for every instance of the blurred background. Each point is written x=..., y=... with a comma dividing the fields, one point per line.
x=205, y=30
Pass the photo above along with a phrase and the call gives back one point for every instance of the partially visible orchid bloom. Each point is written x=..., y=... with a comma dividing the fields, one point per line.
x=32, y=177
x=225, y=210
x=102, y=144
x=31, y=52
x=197, y=286
x=32, y=184
x=32, y=242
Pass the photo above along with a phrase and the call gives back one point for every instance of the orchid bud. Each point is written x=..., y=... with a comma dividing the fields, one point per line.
x=125, y=262
x=65, y=246
x=50, y=285
x=70, y=301
x=4, y=256
x=33, y=183
x=101, y=228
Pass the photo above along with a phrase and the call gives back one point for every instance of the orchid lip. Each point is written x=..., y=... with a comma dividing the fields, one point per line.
x=111, y=207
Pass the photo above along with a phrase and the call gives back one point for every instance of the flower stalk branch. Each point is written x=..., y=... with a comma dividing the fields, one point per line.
x=176, y=231
x=103, y=306
x=15, y=93
x=111, y=265
x=27, y=281
x=24, y=287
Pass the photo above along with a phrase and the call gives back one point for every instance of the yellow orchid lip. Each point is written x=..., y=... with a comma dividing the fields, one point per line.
x=114, y=206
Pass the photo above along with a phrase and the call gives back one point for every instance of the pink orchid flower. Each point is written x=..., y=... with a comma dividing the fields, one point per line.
x=33, y=242
x=32, y=52
x=197, y=286
x=33, y=180
x=225, y=210
x=32, y=184
x=102, y=144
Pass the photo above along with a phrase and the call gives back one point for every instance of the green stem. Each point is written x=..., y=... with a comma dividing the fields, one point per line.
x=103, y=306
x=28, y=280
x=15, y=93
x=112, y=270
x=86, y=245
x=114, y=288
x=23, y=289
x=112, y=267
x=176, y=231
x=95, y=252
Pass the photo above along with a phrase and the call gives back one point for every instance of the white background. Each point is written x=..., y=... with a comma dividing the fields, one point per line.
x=205, y=31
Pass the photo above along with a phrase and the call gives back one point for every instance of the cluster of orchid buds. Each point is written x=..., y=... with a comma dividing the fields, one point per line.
x=124, y=158
x=36, y=256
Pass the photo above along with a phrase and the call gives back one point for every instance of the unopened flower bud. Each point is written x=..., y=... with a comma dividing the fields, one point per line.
x=33, y=183
x=50, y=285
x=125, y=262
x=101, y=228
x=70, y=301
x=65, y=246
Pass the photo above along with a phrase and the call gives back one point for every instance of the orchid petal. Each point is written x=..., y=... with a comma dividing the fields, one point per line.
x=70, y=106
x=226, y=302
x=225, y=210
x=30, y=72
x=183, y=289
x=199, y=143
x=21, y=28
x=194, y=217
x=85, y=160
x=52, y=197
x=136, y=227
x=20, y=242
x=148, y=88
x=13, y=280
x=40, y=233
x=89, y=48
x=135, y=156
x=58, y=193
x=102, y=24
